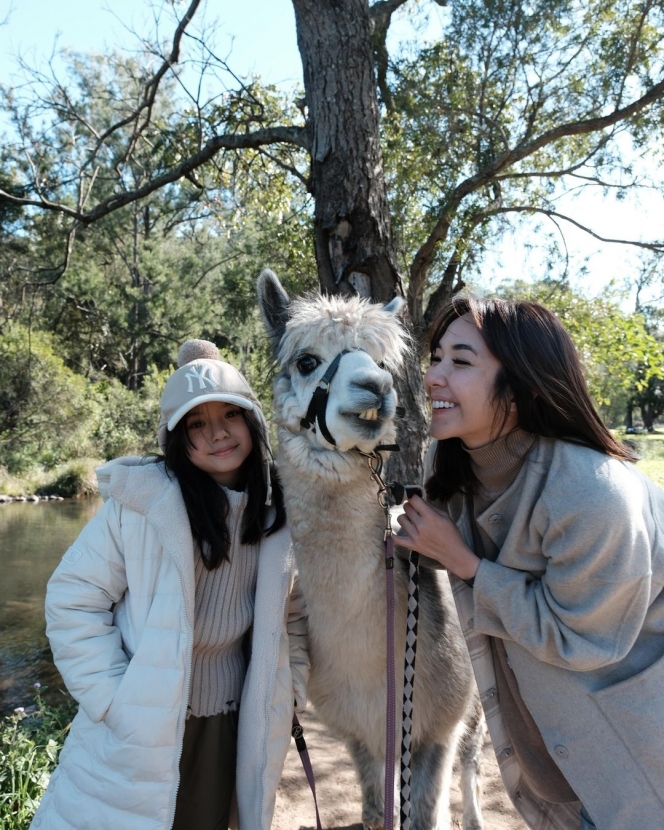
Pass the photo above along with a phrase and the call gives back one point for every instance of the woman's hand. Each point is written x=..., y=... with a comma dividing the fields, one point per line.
x=432, y=533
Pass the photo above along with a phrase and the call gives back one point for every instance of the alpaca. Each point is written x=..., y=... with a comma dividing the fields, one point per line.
x=337, y=528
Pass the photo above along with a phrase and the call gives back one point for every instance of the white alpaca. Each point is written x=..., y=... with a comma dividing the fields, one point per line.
x=337, y=529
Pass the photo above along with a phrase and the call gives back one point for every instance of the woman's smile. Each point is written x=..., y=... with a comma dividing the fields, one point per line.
x=461, y=383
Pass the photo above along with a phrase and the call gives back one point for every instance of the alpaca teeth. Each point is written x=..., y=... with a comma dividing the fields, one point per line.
x=369, y=415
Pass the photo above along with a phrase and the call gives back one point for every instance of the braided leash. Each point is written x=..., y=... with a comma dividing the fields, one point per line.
x=386, y=493
x=408, y=685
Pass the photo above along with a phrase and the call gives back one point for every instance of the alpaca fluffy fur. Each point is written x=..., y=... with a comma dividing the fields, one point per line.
x=337, y=530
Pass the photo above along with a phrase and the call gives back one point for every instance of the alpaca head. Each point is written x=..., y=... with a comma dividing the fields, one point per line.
x=307, y=335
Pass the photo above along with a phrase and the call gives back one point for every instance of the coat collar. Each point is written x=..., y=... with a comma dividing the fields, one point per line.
x=144, y=486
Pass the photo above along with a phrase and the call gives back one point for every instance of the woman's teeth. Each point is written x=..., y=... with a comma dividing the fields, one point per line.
x=443, y=404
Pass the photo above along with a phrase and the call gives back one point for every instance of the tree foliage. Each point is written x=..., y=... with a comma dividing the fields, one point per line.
x=141, y=206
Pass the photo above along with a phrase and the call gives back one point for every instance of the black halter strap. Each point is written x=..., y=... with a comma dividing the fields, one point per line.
x=318, y=404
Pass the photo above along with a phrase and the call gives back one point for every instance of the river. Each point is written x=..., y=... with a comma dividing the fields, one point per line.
x=33, y=537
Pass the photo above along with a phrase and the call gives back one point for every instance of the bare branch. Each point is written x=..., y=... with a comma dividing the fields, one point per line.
x=552, y=214
x=289, y=168
x=381, y=17
x=241, y=141
x=61, y=269
x=151, y=89
x=425, y=255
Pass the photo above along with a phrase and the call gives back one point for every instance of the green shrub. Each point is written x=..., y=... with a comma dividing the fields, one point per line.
x=44, y=412
x=76, y=479
x=30, y=744
x=126, y=422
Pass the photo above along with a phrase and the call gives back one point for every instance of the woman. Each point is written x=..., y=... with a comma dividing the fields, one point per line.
x=555, y=547
x=152, y=615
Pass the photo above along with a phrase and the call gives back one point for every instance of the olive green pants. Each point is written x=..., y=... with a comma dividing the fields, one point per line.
x=207, y=773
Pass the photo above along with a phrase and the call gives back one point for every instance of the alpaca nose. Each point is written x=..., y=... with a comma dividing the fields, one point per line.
x=376, y=387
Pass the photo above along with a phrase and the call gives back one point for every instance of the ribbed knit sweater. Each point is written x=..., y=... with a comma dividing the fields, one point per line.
x=497, y=466
x=224, y=612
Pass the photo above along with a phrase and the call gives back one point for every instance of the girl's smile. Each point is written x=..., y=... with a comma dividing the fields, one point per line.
x=219, y=440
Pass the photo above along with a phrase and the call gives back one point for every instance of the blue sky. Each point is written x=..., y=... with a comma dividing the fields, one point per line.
x=259, y=36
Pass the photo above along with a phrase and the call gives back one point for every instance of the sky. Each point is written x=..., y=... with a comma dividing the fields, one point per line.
x=258, y=36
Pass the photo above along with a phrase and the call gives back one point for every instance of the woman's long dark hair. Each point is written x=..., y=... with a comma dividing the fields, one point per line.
x=540, y=373
x=207, y=503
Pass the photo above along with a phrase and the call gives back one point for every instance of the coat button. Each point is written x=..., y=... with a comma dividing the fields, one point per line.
x=495, y=518
x=491, y=692
x=561, y=751
x=471, y=622
x=506, y=752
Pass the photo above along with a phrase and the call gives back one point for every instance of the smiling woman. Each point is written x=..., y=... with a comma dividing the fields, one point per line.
x=554, y=544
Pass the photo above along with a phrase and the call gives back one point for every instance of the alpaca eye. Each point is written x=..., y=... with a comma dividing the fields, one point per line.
x=307, y=364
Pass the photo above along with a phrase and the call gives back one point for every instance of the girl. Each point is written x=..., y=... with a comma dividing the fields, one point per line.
x=172, y=622
x=555, y=547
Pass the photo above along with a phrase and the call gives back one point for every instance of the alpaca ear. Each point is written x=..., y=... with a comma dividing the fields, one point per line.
x=274, y=305
x=394, y=306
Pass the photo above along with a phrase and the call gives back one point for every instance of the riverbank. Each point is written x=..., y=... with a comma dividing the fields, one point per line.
x=73, y=479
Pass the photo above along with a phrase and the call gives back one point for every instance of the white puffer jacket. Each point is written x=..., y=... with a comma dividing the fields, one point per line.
x=119, y=610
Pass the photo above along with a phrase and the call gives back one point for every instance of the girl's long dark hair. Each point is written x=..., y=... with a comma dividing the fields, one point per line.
x=207, y=503
x=540, y=373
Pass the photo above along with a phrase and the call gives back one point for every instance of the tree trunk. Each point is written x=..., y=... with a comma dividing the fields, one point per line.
x=353, y=240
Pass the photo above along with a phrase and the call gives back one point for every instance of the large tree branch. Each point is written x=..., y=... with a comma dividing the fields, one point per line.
x=236, y=141
x=425, y=255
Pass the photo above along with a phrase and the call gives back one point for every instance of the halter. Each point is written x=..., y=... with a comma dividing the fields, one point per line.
x=318, y=404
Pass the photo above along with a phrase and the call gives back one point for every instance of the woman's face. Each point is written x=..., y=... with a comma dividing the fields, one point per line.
x=219, y=439
x=461, y=383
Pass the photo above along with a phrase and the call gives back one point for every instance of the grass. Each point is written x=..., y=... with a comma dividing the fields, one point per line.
x=650, y=447
x=30, y=743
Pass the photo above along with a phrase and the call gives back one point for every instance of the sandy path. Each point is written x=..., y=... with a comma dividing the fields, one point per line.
x=339, y=794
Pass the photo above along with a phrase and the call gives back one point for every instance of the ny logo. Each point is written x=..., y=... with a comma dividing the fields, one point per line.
x=202, y=376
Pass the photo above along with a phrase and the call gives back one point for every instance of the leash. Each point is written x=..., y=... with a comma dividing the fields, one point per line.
x=298, y=733
x=388, y=494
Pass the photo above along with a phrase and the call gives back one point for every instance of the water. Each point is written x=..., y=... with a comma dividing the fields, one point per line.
x=33, y=538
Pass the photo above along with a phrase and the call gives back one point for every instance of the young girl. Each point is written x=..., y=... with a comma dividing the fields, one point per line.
x=555, y=547
x=173, y=624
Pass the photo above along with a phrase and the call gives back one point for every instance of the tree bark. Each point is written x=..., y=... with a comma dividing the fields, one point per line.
x=353, y=241
x=352, y=221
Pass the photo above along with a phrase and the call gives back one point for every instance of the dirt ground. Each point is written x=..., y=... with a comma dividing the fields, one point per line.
x=339, y=794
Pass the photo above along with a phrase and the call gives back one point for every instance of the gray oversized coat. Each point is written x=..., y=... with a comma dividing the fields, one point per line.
x=576, y=595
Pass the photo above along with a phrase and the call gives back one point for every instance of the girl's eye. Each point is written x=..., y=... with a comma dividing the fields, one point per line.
x=195, y=424
x=457, y=361
x=233, y=413
x=307, y=364
x=434, y=359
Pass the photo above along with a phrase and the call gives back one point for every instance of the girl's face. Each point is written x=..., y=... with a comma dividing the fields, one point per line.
x=219, y=440
x=461, y=383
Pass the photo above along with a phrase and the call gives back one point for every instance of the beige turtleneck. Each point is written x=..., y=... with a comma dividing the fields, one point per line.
x=223, y=613
x=496, y=466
